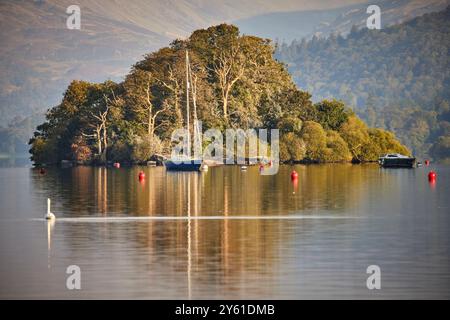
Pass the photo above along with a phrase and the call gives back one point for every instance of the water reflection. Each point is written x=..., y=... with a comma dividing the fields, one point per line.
x=86, y=191
x=50, y=225
x=225, y=258
x=225, y=250
x=15, y=162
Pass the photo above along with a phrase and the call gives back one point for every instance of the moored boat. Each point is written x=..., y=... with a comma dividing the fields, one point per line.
x=186, y=163
x=189, y=165
x=396, y=160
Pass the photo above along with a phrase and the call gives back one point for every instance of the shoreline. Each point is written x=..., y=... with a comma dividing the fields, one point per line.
x=125, y=165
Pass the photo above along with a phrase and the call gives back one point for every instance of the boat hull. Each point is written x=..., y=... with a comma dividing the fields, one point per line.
x=184, y=166
x=397, y=162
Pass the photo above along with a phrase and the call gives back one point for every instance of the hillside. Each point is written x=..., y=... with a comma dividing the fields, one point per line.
x=392, y=13
x=289, y=26
x=39, y=57
x=397, y=78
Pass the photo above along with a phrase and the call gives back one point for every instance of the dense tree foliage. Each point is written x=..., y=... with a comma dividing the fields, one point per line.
x=397, y=78
x=234, y=83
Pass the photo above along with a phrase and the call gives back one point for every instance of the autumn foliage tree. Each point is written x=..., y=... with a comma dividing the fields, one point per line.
x=234, y=82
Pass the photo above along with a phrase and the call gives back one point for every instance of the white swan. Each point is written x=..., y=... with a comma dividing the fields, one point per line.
x=49, y=215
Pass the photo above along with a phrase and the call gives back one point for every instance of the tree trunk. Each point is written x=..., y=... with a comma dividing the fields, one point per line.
x=105, y=143
x=149, y=123
x=178, y=109
x=225, y=106
x=99, y=141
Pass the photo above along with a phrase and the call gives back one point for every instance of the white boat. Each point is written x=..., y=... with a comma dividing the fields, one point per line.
x=396, y=160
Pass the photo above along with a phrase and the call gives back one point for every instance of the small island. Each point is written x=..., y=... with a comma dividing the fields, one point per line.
x=235, y=83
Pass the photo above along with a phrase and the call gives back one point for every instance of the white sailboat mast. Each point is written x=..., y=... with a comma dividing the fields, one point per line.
x=187, y=104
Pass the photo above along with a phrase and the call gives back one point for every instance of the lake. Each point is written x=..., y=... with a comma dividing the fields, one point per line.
x=225, y=233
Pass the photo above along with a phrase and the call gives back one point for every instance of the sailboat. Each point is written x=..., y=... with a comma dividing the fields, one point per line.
x=187, y=164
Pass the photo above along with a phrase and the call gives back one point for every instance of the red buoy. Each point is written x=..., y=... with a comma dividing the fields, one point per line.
x=261, y=167
x=427, y=162
x=141, y=175
x=294, y=175
x=432, y=176
x=42, y=171
x=116, y=165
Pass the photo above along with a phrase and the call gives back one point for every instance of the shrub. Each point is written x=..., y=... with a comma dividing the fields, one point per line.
x=337, y=149
x=144, y=147
x=315, y=140
x=292, y=148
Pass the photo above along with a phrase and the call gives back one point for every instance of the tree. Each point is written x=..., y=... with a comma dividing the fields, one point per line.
x=167, y=69
x=292, y=148
x=336, y=148
x=43, y=151
x=81, y=153
x=441, y=149
x=315, y=140
x=354, y=132
x=138, y=88
x=290, y=124
x=382, y=142
x=370, y=110
x=143, y=148
x=226, y=60
x=242, y=72
x=52, y=140
x=331, y=114
x=96, y=114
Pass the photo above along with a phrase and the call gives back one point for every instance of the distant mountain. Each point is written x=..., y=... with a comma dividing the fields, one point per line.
x=397, y=77
x=39, y=55
x=295, y=25
x=392, y=12
x=288, y=26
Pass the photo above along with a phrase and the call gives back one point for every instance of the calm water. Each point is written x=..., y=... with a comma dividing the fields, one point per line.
x=343, y=219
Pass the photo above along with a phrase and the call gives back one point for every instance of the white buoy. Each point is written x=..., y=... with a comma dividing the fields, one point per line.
x=49, y=215
x=243, y=168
